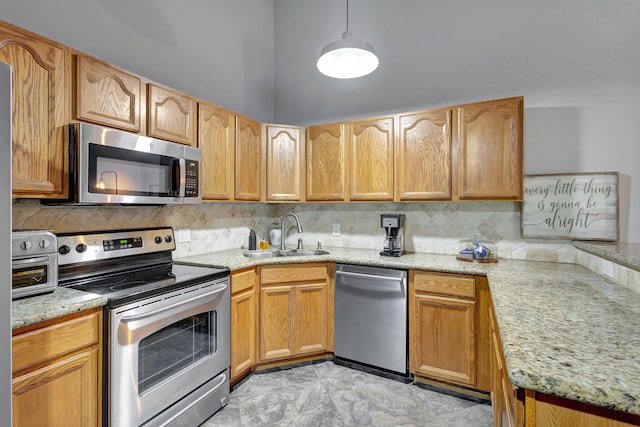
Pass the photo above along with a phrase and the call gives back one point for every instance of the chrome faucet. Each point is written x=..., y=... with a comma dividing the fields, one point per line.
x=284, y=230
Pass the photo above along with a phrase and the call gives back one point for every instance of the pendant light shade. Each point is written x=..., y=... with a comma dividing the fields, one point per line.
x=347, y=58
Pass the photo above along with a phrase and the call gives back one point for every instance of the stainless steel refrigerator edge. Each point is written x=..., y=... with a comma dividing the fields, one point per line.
x=5, y=244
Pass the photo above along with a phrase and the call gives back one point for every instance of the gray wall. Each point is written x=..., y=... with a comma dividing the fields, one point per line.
x=576, y=62
x=218, y=50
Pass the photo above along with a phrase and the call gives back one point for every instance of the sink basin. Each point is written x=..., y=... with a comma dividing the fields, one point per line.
x=303, y=252
x=287, y=252
x=261, y=254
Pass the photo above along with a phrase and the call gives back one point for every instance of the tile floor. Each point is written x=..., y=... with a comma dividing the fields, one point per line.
x=326, y=394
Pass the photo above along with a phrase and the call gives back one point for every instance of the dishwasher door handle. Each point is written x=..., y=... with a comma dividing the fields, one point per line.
x=369, y=276
x=370, y=282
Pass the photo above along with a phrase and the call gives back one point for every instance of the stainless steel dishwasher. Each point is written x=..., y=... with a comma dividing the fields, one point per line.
x=371, y=316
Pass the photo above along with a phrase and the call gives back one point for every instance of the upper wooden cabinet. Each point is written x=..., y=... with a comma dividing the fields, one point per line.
x=248, y=159
x=216, y=138
x=285, y=163
x=326, y=162
x=40, y=112
x=171, y=115
x=107, y=95
x=489, y=150
x=423, y=169
x=371, y=146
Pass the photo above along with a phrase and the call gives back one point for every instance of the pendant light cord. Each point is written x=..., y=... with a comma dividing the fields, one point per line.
x=347, y=15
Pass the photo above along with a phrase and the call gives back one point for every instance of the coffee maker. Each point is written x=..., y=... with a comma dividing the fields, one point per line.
x=393, y=225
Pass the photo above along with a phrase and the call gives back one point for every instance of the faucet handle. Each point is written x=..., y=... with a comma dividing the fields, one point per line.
x=319, y=245
x=300, y=244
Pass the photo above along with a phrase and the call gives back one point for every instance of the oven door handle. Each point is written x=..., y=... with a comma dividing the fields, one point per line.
x=29, y=260
x=173, y=306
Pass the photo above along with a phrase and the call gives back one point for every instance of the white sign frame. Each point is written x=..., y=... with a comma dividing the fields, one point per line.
x=580, y=206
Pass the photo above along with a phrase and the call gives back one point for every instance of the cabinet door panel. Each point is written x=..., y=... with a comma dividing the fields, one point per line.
x=40, y=112
x=489, y=153
x=325, y=162
x=64, y=393
x=248, y=159
x=276, y=311
x=284, y=163
x=216, y=138
x=424, y=156
x=371, y=145
x=444, y=340
x=311, y=318
x=243, y=336
x=107, y=95
x=172, y=115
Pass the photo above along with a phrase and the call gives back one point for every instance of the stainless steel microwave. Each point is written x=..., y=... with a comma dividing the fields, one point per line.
x=109, y=166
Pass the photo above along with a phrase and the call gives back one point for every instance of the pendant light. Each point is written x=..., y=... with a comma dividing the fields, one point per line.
x=347, y=58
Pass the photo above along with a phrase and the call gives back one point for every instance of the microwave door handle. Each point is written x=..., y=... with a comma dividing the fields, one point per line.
x=179, y=177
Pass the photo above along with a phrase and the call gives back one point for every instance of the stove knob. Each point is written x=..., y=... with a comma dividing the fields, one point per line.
x=81, y=247
x=64, y=249
x=44, y=244
x=167, y=239
x=25, y=245
x=158, y=240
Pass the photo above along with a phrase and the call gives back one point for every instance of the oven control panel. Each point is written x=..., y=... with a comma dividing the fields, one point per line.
x=94, y=246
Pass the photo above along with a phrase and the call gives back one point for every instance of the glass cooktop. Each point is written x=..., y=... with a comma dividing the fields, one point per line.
x=128, y=286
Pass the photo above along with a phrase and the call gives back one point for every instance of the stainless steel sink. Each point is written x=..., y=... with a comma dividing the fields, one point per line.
x=287, y=252
x=303, y=252
x=261, y=254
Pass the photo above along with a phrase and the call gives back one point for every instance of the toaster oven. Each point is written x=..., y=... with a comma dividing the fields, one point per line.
x=34, y=263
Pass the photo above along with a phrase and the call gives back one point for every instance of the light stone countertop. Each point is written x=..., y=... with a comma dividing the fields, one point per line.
x=61, y=302
x=565, y=330
x=627, y=254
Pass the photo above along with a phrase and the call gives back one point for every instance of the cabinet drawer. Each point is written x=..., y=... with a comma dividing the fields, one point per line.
x=464, y=287
x=288, y=274
x=242, y=281
x=51, y=341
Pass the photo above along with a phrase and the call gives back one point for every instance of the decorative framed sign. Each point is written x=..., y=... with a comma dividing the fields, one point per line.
x=571, y=206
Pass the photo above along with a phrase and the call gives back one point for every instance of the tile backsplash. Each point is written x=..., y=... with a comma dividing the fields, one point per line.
x=435, y=227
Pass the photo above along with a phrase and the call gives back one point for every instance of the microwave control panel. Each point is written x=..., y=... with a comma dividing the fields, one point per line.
x=192, y=177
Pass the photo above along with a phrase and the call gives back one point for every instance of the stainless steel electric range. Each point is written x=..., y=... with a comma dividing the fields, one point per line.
x=167, y=326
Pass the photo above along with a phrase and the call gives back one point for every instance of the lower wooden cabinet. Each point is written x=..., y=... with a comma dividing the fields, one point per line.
x=57, y=372
x=295, y=313
x=543, y=410
x=447, y=331
x=505, y=398
x=244, y=322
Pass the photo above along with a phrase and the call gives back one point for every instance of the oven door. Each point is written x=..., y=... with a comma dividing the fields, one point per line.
x=163, y=348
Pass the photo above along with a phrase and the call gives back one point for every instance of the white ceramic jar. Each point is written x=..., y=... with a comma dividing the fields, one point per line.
x=275, y=234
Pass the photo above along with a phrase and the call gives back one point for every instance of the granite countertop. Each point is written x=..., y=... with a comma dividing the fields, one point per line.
x=565, y=330
x=627, y=254
x=62, y=301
